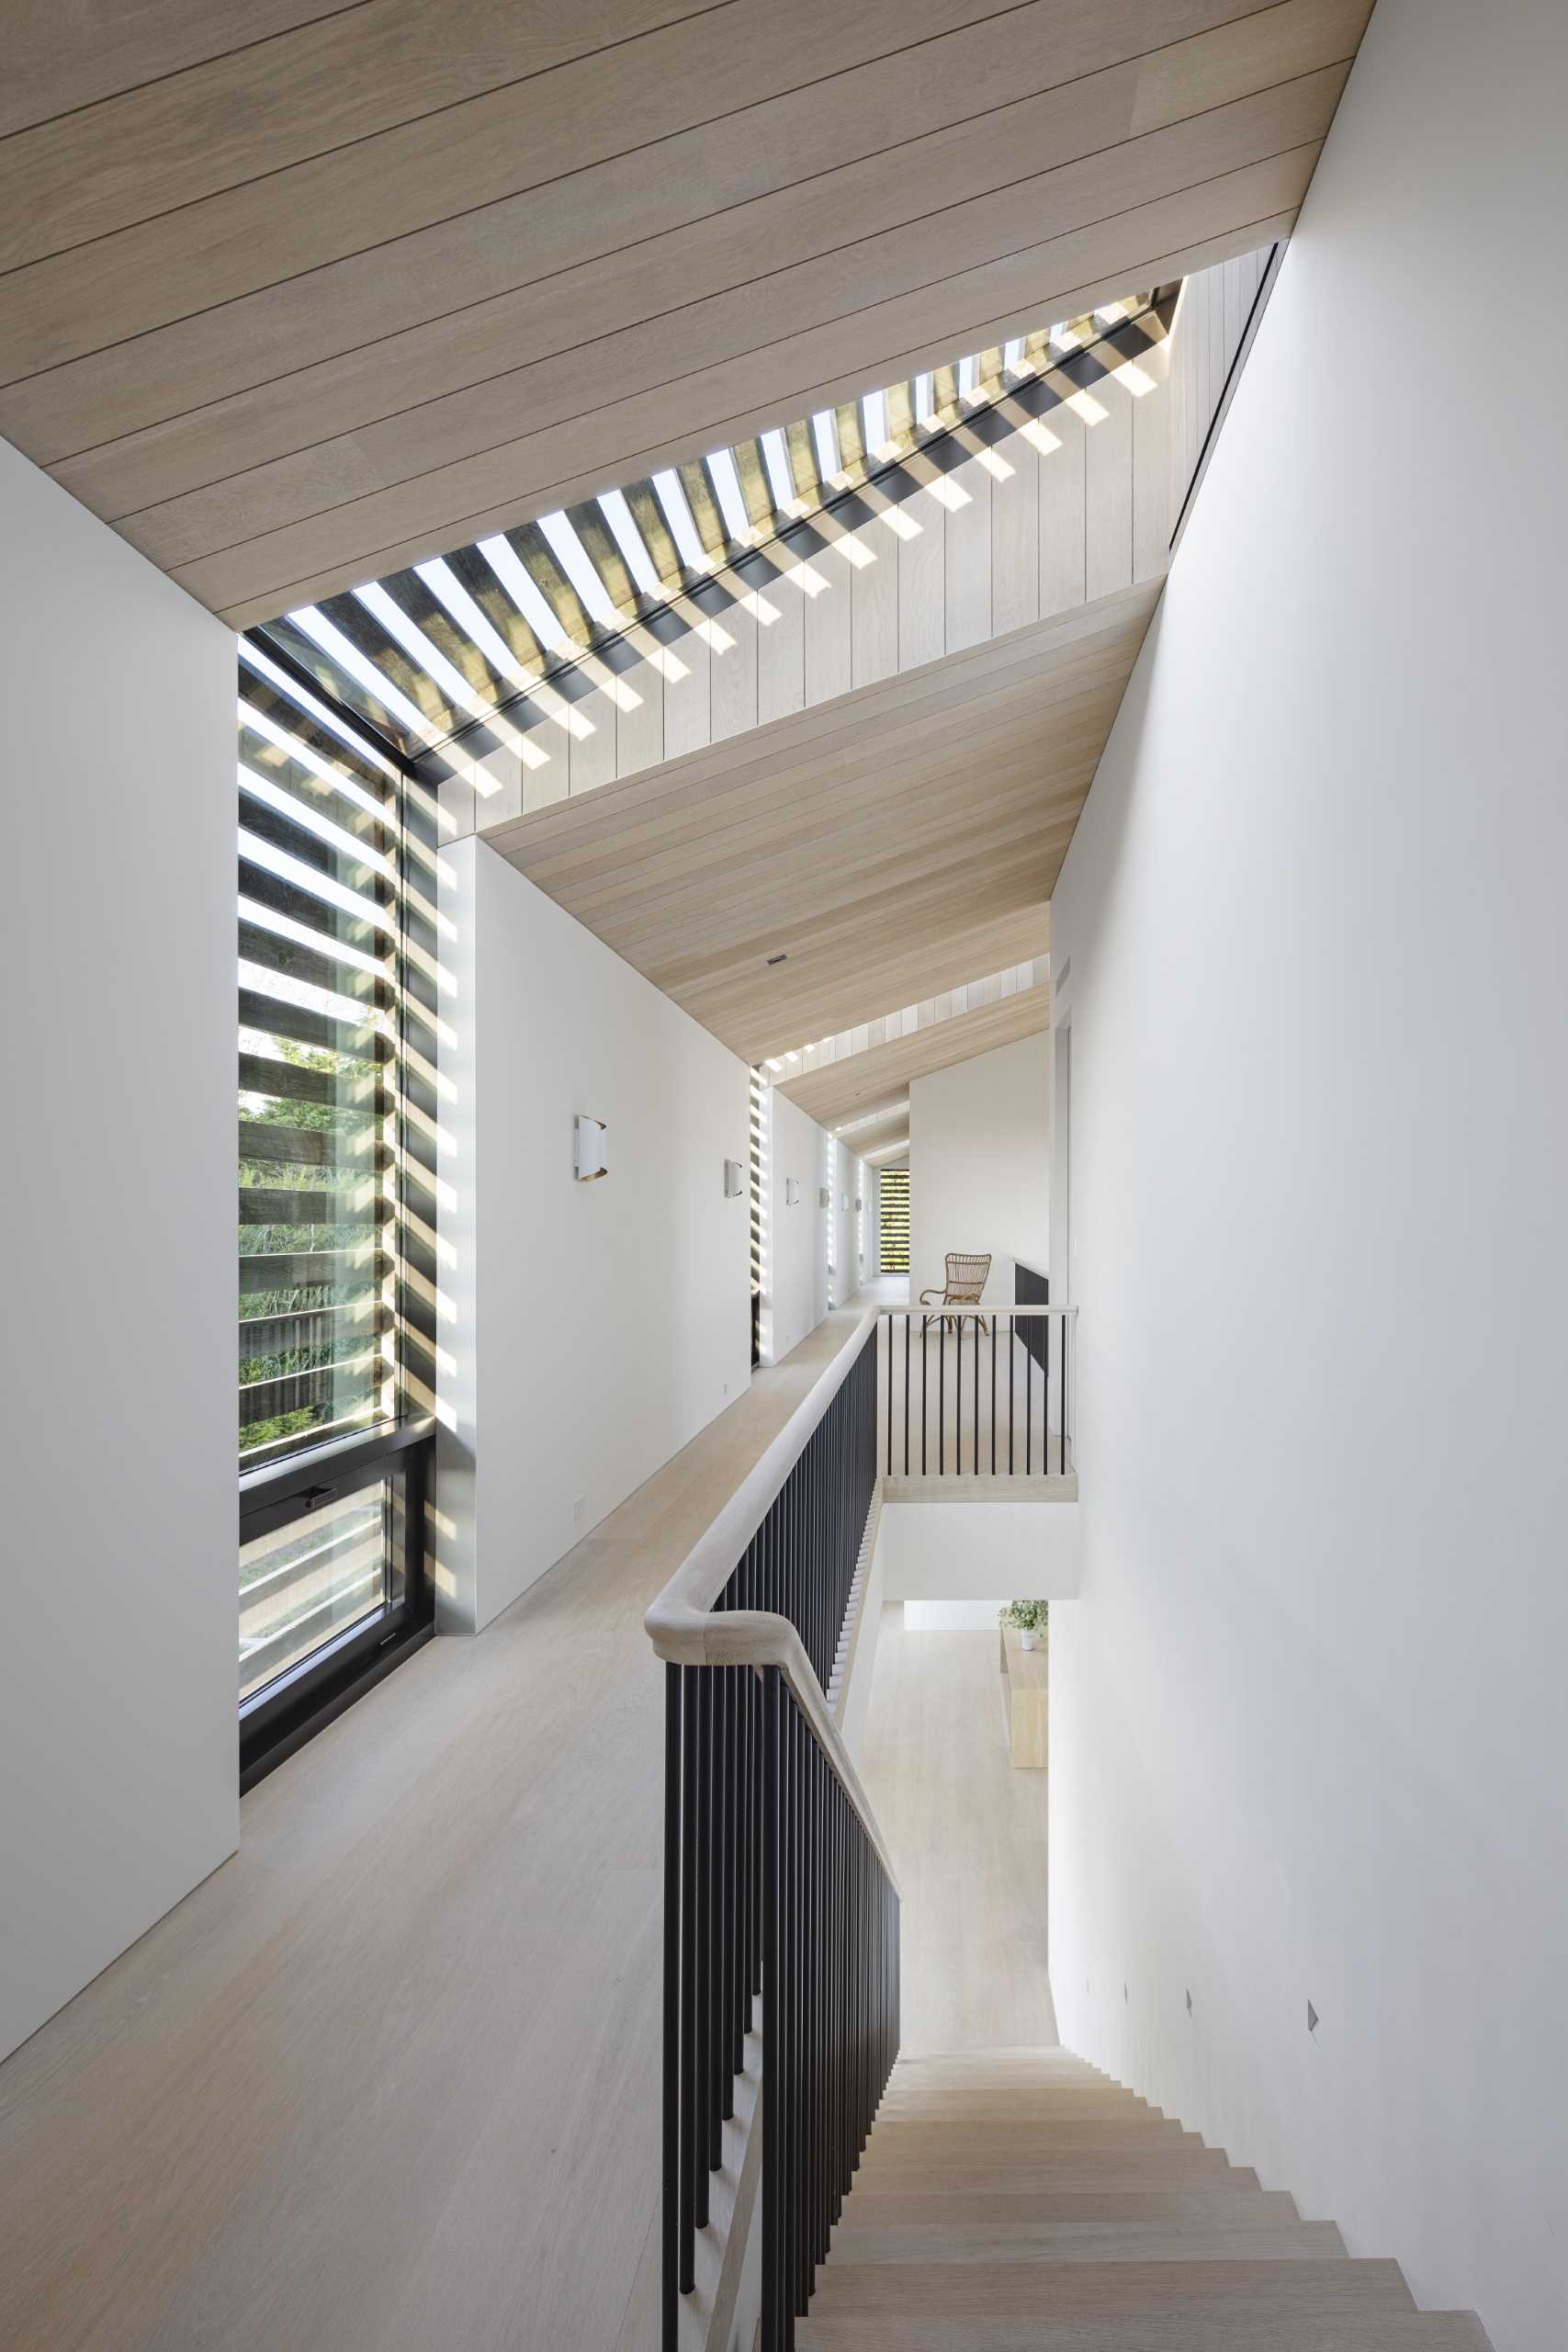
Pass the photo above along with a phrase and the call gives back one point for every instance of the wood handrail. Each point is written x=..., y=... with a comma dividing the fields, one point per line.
x=686, y=1630
x=986, y=1307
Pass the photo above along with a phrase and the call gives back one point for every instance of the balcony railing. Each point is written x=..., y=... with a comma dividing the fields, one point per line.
x=976, y=1392
x=778, y=1887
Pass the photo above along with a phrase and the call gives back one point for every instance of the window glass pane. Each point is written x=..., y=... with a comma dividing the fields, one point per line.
x=311, y=1581
x=320, y=1029
x=895, y=1218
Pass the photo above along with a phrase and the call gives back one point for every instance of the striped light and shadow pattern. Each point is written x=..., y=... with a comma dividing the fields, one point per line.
x=335, y=1063
x=894, y=1212
x=466, y=655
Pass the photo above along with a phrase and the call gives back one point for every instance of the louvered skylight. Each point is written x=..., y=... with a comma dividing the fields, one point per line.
x=574, y=597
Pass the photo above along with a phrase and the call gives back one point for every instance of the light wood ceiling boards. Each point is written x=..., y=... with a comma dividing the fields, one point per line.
x=896, y=843
x=295, y=310
x=877, y=1134
x=883, y=1073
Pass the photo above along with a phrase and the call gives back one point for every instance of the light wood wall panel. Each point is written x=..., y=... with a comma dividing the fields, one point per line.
x=295, y=310
x=1063, y=519
x=1217, y=311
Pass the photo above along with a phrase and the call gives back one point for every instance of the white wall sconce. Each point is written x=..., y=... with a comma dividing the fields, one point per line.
x=824, y=1197
x=734, y=1179
x=792, y=1191
x=591, y=1154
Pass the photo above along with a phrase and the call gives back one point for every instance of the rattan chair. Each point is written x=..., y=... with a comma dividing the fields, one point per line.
x=966, y=1277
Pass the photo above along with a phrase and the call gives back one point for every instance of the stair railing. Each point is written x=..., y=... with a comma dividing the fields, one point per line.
x=778, y=1886
x=978, y=1391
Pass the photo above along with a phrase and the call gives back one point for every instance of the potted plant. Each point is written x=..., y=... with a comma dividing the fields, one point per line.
x=1030, y=1618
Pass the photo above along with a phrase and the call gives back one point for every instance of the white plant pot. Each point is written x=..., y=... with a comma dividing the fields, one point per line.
x=1029, y=1640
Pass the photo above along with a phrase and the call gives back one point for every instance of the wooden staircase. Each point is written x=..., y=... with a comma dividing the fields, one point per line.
x=1017, y=2201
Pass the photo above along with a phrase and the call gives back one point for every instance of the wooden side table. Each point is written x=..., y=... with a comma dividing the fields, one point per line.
x=1025, y=1685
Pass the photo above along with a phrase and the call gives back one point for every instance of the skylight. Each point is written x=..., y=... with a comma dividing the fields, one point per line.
x=441, y=648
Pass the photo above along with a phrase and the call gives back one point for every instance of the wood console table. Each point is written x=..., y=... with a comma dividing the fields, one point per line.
x=1025, y=1683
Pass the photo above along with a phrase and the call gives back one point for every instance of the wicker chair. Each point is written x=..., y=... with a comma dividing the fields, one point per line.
x=966, y=1278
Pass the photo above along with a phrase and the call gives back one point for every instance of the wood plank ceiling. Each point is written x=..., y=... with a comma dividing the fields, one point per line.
x=852, y=1089
x=296, y=308
x=890, y=845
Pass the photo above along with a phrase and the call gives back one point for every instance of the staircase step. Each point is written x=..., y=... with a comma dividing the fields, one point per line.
x=947, y=2241
x=1240, y=2289
x=1051, y=2166
x=1029, y=2062
x=1017, y=2100
x=1044, y=2330
x=1111, y=2201
x=958, y=2132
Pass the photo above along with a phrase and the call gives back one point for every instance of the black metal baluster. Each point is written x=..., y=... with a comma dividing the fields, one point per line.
x=1012, y=1384
x=691, y=1942
x=707, y=2118
x=773, y=2135
x=671, y=2209
x=1028, y=1409
x=942, y=1399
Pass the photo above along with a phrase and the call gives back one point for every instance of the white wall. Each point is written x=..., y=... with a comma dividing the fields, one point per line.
x=119, y=1686
x=979, y=1174
x=852, y=1239
x=794, y=1254
x=592, y=1329
x=856, y=1708
x=953, y=1616
x=957, y=1551
x=1308, y=1735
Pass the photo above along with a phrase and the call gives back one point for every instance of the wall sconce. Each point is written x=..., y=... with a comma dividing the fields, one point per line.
x=859, y=1204
x=845, y=1202
x=792, y=1191
x=734, y=1181
x=824, y=1197
x=589, y=1151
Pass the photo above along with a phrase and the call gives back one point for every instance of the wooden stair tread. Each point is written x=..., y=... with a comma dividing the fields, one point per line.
x=1240, y=2286
x=1015, y=2099
x=1046, y=2331
x=1111, y=2201
x=898, y=2133
x=986, y=2170
x=1056, y=2167
x=945, y=2241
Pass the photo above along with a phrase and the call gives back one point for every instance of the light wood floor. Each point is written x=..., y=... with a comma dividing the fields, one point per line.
x=967, y=1835
x=389, y=2080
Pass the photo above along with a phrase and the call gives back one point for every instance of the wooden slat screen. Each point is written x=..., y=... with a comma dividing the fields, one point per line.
x=895, y=1220
x=320, y=902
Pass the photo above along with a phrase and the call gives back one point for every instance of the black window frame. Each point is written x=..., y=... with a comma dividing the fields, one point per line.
x=283, y=1487
x=301, y=1701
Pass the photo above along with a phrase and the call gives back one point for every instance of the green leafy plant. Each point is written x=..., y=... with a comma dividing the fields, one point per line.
x=1028, y=1616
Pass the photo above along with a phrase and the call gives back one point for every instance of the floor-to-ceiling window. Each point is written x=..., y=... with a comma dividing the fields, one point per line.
x=332, y=1447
